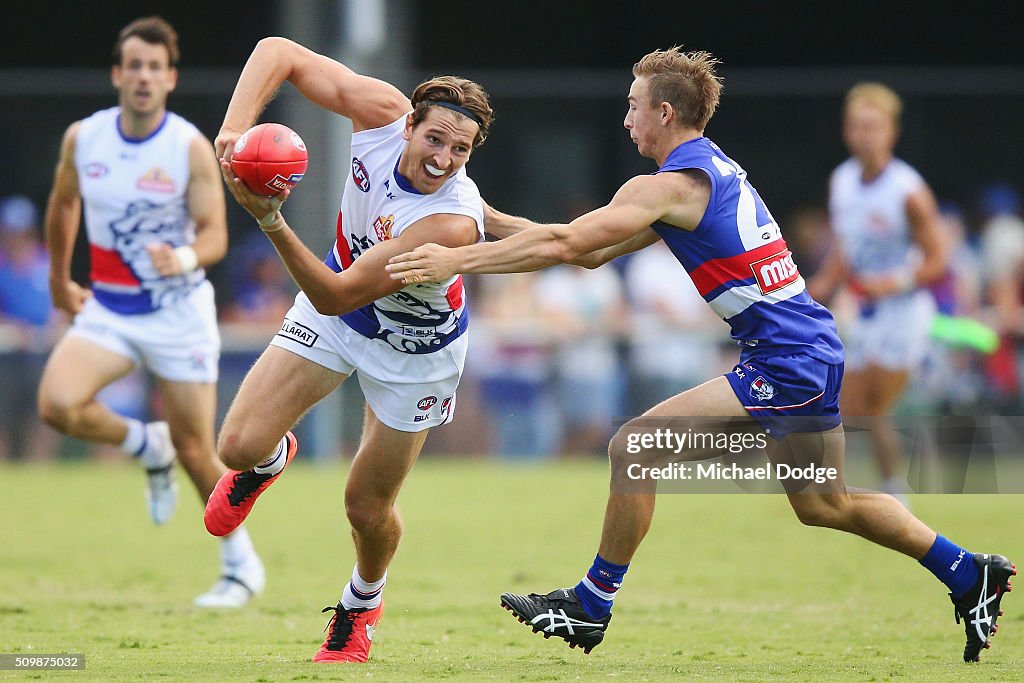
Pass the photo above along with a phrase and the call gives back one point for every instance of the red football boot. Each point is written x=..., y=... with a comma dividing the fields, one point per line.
x=235, y=493
x=349, y=634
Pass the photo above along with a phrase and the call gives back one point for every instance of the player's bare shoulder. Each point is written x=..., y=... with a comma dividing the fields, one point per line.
x=65, y=174
x=67, y=143
x=681, y=197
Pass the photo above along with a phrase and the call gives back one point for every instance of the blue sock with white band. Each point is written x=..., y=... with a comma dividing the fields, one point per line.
x=598, y=588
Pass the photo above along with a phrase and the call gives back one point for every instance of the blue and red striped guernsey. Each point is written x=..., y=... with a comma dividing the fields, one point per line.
x=741, y=265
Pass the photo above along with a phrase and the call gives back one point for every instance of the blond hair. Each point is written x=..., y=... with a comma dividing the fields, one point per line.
x=686, y=80
x=458, y=91
x=878, y=95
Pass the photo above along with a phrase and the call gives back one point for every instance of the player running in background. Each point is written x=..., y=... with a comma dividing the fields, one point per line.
x=702, y=205
x=888, y=248
x=154, y=216
x=407, y=186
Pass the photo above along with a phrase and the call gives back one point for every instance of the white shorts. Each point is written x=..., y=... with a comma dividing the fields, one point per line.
x=179, y=342
x=894, y=336
x=409, y=392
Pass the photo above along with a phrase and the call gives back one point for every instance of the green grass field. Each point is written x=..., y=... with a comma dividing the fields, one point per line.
x=726, y=587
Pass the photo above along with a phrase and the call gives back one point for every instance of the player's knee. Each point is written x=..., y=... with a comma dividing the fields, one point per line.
x=237, y=452
x=822, y=511
x=57, y=413
x=191, y=449
x=620, y=452
x=366, y=513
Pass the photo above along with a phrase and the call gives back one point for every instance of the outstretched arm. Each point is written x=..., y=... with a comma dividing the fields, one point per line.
x=368, y=102
x=639, y=203
x=503, y=226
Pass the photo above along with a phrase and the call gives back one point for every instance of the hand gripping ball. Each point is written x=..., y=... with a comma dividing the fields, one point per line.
x=269, y=158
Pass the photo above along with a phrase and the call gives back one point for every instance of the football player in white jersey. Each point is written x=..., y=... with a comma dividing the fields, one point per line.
x=407, y=186
x=154, y=209
x=888, y=247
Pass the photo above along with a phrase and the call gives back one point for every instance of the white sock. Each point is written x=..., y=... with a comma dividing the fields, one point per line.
x=135, y=441
x=370, y=593
x=276, y=462
x=236, y=548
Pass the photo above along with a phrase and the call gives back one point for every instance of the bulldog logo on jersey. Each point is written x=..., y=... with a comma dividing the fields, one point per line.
x=382, y=227
x=762, y=390
x=359, y=175
x=775, y=272
x=156, y=180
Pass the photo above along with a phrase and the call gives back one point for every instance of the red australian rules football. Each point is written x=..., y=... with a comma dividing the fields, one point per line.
x=269, y=158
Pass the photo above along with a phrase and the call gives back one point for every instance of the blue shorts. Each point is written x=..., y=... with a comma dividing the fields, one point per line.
x=787, y=394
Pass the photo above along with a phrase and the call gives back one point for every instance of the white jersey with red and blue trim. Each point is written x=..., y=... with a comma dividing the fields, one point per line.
x=870, y=218
x=134, y=194
x=741, y=266
x=379, y=204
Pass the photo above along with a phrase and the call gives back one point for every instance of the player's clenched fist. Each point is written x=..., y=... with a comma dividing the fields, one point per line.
x=69, y=296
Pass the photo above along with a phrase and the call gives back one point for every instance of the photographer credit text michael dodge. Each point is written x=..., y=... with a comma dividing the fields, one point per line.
x=734, y=443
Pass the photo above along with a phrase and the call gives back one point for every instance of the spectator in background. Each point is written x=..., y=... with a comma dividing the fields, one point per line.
x=262, y=289
x=26, y=328
x=585, y=311
x=888, y=248
x=674, y=337
x=808, y=236
x=1002, y=249
x=951, y=384
x=512, y=355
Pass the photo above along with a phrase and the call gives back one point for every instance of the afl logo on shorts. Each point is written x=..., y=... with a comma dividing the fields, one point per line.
x=359, y=175
x=761, y=389
x=427, y=403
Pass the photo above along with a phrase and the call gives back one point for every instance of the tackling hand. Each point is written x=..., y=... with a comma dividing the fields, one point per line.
x=426, y=263
x=224, y=144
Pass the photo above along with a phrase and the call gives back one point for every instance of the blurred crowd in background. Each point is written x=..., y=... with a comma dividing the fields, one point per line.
x=558, y=358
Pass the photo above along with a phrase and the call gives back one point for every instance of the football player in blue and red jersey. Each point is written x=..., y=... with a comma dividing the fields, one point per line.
x=702, y=205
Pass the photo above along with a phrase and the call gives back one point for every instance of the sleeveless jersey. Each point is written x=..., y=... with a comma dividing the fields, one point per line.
x=742, y=267
x=378, y=205
x=133, y=193
x=870, y=219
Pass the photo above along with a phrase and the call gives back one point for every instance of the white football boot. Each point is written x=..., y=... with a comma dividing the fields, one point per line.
x=237, y=585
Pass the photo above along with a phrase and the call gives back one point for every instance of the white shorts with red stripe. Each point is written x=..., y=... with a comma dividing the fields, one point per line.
x=409, y=392
x=178, y=342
